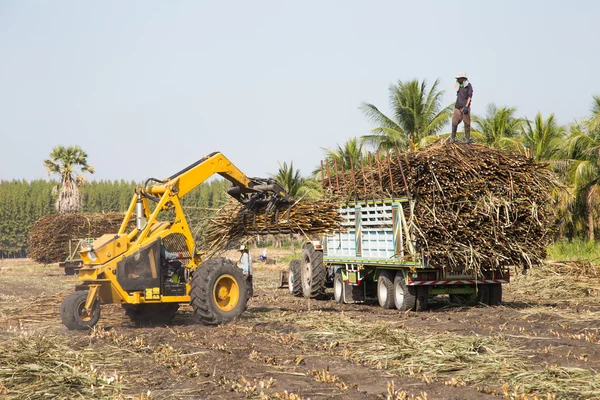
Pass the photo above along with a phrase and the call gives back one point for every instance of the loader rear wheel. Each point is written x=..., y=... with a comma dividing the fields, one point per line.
x=385, y=289
x=294, y=279
x=218, y=292
x=312, y=272
x=405, y=297
x=73, y=313
x=156, y=314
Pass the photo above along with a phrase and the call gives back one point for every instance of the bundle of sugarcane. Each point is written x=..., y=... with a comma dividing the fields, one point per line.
x=475, y=206
x=233, y=222
x=50, y=235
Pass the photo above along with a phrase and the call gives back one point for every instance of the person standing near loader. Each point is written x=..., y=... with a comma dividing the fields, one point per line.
x=462, y=107
x=246, y=262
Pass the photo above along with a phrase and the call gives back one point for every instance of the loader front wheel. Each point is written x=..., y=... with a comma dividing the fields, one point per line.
x=218, y=292
x=73, y=313
x=144, y=314
x=294, y=280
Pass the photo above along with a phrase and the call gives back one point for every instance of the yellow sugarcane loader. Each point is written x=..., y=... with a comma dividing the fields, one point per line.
x=136, y=268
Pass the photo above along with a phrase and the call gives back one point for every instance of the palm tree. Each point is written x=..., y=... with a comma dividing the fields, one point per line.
x=543, y=138
x=581, y=168
x=289, y=178
x=594, y=120
x=65, y=161
x=346, y=156
x=499, y=128
x=417, y=113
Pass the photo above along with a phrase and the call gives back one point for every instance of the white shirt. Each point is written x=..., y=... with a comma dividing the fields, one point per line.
x=246, y=261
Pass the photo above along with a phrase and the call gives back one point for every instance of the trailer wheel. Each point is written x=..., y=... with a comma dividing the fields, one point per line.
x=385, y=289
x=405, y=297
x=294, y=280
x=422, y=298
x=157, y=314
x=338, y=287
x=218, y=292
x=495, y=290
x=73, y=313
x=312, y=272
x=483, y=294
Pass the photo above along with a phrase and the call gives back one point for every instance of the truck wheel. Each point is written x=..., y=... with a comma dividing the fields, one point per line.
x=405, y=297
x=483, y=294
x=73, y=313
x=157, y=314
x=495, y=290
x=422, y=298
x=338, y=287
x=218, y=292
x=312, y=272
x=385, y=289
x=294, y=280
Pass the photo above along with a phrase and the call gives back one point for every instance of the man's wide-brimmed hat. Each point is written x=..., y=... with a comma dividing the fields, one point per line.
x=461, y=75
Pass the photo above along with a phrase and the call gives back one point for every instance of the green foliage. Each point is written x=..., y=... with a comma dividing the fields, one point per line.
x=574, y=250
x=22, y=203
x=289, y=178
x=417, y=113
x=499, y=128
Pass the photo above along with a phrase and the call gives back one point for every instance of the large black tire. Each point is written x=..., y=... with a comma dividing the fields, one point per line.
x=312, y=272
x=294, y=279
x=338, y=287
x=385, y=289
x=72, y=311
x=218, y=292
x=495, y=294
x=157, y=314
x=422, y=298
x=405, y=297
x=483, y=294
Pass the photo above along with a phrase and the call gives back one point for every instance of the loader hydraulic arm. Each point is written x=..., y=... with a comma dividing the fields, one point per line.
x=244, y=189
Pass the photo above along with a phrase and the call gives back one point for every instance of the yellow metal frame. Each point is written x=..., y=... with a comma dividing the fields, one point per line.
x=99, y=271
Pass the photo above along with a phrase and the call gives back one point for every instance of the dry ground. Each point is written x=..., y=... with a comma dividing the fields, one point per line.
x=542, y=342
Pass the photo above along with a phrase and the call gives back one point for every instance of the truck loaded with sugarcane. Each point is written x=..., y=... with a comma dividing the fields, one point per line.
x=452, y=219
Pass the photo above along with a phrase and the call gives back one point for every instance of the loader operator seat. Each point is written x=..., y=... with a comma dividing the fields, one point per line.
x=171, y=267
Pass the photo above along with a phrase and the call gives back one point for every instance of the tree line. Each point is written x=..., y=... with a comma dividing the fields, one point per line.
x=24, y=202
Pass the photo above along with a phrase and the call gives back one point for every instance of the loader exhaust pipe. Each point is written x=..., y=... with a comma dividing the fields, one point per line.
x=140, y=219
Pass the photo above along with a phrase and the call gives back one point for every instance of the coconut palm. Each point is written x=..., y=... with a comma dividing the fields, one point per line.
x=499, y=128
x=417, y=113
x=594, y=120
x=581, y=168
x=345, y=156
x=543, y=138
x=67, y=161
x=289, y=178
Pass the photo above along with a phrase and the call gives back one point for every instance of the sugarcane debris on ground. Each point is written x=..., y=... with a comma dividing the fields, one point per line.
x=540, y=344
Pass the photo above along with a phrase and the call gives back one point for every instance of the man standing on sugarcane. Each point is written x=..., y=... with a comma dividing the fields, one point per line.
x=462, y=107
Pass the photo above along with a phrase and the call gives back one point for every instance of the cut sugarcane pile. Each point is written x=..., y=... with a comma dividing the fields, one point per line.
x=233, y=222
x=50, y=235
x=476, y=207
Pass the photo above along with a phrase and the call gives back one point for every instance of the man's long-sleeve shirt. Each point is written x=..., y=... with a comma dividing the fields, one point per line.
x=462, y=95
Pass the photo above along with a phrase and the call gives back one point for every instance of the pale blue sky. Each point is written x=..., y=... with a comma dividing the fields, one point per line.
x=148, y=87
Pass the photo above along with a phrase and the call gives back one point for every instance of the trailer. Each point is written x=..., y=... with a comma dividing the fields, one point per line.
x=73, y=262
x=375, y=256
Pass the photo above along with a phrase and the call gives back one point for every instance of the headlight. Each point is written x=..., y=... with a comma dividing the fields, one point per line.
x=92, y=256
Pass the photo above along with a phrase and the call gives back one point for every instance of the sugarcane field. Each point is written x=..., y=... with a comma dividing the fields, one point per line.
x=299, y=200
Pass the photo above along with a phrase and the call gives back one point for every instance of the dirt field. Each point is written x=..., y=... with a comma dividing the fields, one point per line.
x=542, y=343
